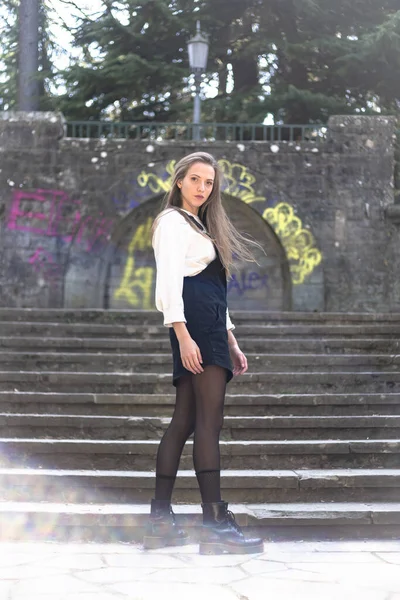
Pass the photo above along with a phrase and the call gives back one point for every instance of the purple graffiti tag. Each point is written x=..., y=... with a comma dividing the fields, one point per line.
x=66, y=225
x=43, y=264
x=127, y=204
x=247, y=282
x=93, y=230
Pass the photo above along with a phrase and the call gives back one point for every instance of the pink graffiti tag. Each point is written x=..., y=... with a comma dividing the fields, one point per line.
x=45, y=213
x=52, y=213
x=94, y=229
x=43, y=263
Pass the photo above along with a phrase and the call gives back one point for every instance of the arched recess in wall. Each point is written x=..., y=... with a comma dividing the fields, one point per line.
x=266, y=285
x=129, y=276
x=121, y=271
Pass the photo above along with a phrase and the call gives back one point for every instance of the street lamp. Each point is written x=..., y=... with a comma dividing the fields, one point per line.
x=198, y=54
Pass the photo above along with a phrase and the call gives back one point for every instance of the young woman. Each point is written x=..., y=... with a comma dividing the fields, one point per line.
x=194, y=242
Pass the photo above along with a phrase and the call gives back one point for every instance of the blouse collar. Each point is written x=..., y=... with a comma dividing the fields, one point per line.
x=191, y=214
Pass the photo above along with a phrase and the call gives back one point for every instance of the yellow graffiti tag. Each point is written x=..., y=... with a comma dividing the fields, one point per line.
x=157, y=184
x=298, y=242
x=239, y=182
x=136, y=284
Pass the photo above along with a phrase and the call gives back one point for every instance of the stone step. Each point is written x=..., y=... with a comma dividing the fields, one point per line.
x=86, y=395
x=162, y=363
x=23, y=521
x=238, y=454
x=162, y=344
x=125, y=487
x=153, y=316
x=235, y=428
x=271, y=381
x=148, y=331
x=161, y=405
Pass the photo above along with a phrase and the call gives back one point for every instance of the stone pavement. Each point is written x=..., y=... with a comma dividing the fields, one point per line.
x=291, y=570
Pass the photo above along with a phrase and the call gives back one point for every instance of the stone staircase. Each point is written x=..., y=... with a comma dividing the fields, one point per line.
x=311, y=438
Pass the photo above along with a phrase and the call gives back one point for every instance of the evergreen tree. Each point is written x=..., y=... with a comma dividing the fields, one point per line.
x=9, y=32
x=301, y=60
x=9, y=54
x=132, y=65
x=314, y=59
x=135, y=64
x=334, y=58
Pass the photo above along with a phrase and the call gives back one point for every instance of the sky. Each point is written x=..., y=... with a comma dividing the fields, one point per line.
x=67, y=14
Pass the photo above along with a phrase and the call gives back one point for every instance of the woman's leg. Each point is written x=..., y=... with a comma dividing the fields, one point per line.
x=162, y=529
x=170, y=449
x=209, y=390
x=221, y=532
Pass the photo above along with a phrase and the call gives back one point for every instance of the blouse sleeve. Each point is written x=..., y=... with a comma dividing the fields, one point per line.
x=229, y=324
x=170, y=242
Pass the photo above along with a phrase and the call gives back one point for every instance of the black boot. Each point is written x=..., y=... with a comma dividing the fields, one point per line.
x=161, y=529
x=221, y=533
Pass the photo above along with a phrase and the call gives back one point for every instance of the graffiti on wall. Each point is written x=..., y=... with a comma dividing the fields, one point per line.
x=245, y=282
x=237, y=181
x=53, y=214
x=157, y=184
x=45, y=266
x=299, y=243
x=137, y=282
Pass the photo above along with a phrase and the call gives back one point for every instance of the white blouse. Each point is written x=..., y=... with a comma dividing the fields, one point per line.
x=180, y=251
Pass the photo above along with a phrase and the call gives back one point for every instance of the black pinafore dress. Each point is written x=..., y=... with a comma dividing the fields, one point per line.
x=205, y=304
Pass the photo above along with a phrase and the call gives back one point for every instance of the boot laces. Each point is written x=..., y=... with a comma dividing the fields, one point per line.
x=171, y=512
x=231, y=519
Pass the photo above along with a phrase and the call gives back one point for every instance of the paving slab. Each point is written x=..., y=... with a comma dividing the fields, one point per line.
x=380, y=577
x=306, y=590
x=310, y=570
x=389, y=557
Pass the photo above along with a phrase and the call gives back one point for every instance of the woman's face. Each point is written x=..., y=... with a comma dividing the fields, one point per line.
x=196, y=186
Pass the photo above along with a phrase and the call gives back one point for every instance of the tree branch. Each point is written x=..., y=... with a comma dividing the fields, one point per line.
x=74, y=5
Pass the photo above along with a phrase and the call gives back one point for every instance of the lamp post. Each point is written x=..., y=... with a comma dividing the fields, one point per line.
x=198, y=55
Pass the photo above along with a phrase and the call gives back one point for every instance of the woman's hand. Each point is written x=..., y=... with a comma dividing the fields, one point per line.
x=239, y=360
x=191, y=355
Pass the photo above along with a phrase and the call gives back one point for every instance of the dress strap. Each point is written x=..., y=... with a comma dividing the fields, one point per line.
x=202, y=228
x=199, y=225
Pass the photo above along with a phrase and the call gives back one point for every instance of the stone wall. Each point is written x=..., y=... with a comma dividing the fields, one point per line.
x=76, y=217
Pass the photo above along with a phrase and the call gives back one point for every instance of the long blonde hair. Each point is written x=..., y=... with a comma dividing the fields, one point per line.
x=225, y=236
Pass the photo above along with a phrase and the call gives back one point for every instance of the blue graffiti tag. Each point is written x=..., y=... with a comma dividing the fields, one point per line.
x=246, y=282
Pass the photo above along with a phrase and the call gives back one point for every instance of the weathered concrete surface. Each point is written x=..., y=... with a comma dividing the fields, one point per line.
x=76, y=215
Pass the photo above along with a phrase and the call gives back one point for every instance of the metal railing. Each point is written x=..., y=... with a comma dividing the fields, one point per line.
x=208, y=132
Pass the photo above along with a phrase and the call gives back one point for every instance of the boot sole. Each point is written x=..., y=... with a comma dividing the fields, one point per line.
x=153, y=543
x=219, y=548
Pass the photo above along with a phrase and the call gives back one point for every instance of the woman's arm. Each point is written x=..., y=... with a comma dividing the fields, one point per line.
x=170, y=242
x=232, y=341
x=229, y=324
x=181, y=331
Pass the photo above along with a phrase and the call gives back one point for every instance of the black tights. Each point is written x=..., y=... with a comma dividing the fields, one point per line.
x=199, y=408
